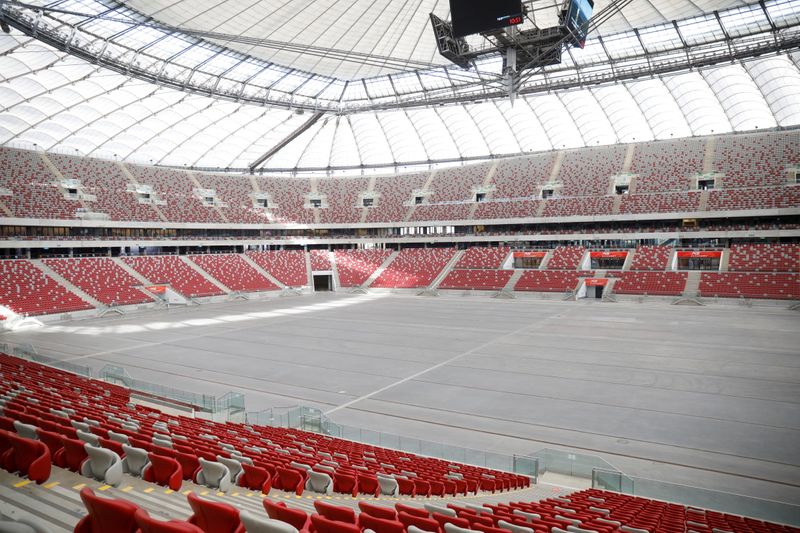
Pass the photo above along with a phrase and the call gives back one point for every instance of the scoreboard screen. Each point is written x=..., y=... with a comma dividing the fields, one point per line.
x=476, y=16
x=577, y=20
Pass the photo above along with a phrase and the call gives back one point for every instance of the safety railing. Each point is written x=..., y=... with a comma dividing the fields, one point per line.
x=570, y=463
x=232, y=403
x=313, y=420
x=27, y=351
x=726, y=502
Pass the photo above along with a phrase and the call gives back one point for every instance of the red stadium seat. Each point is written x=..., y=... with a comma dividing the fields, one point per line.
x=255, y=478
x=106, y=515
x=148, y=524
x=295, y=517
x=335, y=512
x=325, y=525
x=29, y=457
x=214, y=517
x=163, y=471
x=380, y=525
x=426, y=524
x=378, y=511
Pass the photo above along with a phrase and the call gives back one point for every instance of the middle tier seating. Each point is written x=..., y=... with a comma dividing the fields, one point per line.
x=233, y=272
x=356, y=266
x=173, y=270
x=414, y=268
x=101, y=278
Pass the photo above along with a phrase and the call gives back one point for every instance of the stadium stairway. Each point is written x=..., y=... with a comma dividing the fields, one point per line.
x=57, y=173
x=512, y=282
x=334, y=270
x=261, y=271
x=446, y=270
x=379, y=270
x=194, y=266
x=127, y=268
x=133, y=180
x=66, y=284
x=57, y=502
x=691, y=290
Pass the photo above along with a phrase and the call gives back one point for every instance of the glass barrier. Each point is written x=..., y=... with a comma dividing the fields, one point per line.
x=230, y=402
x=27, y=351
x=725, y=502
x=314, y=420
x=570, y=463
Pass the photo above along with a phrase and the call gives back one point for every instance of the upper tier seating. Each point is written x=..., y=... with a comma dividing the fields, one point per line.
x=101, y=278
x=653, y=283
x=234, y=190
x=52, y=399
x=320, y=260
x=414, y=267
x=664, y=172
x=678, y=202
x=566, y=258
x=287, y=266
x=394, y=192
x=452, y=185
x=482, y=257
x=755, y=160
x=666, y=165
x=651, y=258
x=587, y=172
x=233, y=272
x=550, y=281
x=501, y=208
x=738, y=284
x=765, y=257
x=31, y=183
x=26, y=290
x=107, y=181
x=343, y=197
x=522, y=176
x=176, y=187
x=356, y=266
x=583, y=206
x=289, y=196
x=758, y=198
x=173, y=270
x=479, y=279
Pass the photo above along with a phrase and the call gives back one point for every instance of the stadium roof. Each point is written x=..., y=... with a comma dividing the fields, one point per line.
x=358, y=84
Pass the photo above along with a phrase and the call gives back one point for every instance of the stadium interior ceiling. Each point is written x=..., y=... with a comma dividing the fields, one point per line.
x=354, y=87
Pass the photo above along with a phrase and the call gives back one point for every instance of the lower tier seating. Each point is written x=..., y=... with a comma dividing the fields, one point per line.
x=750, y=285
x=652, y=283
x=758, y=257
x=101, y=278
x=356, y=266
x=26, y=290
x=414, y=267
x=550, y=280
x=173, y=270
x=287, y=266
x=71, y=412
x=479, y=279
x=233, y=272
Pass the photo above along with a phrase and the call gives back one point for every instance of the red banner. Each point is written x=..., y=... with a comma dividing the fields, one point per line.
x=701, y=253
x=157, y=289
x=529, y=254
x=609, y=254
x=595, y=282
